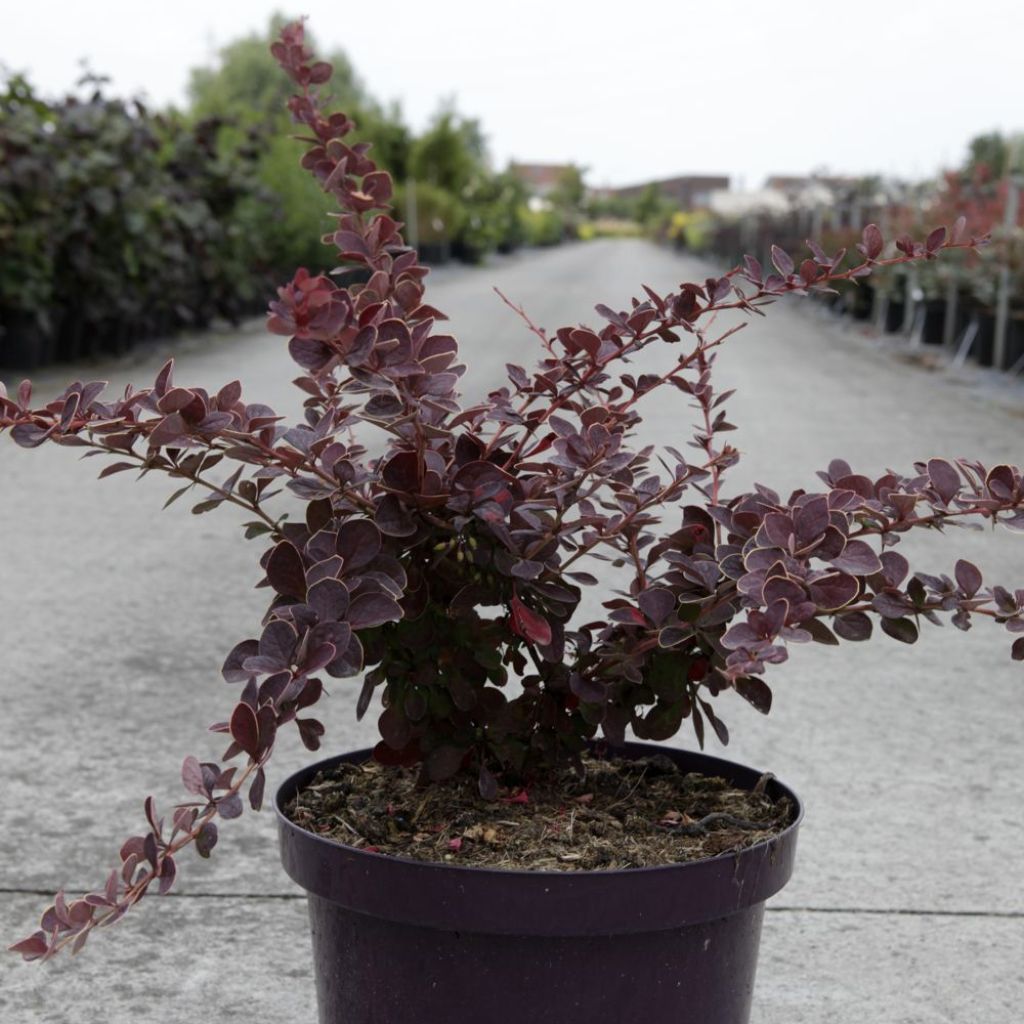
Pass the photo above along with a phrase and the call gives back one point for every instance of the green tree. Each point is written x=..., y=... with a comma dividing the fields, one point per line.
x=246, y=92
x=570, y=190
x=451, y=154
x=246, y=86
x=996, y=153
x=649, y=204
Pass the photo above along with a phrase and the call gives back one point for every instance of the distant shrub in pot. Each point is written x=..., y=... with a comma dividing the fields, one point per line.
x=447, y=571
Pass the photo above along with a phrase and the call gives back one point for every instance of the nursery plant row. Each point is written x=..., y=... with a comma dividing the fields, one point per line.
x=120, y=223
x=116, y=223
x=953, y=303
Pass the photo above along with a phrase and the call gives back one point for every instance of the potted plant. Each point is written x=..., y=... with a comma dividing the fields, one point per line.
x=447, y=568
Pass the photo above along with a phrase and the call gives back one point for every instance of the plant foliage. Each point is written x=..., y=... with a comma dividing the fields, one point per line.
x=116, y=222
x=446, y=571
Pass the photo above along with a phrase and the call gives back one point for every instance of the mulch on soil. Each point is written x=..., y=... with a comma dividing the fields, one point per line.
x=618, y=814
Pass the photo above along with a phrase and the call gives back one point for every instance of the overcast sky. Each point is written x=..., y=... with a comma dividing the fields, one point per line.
x=630, y=90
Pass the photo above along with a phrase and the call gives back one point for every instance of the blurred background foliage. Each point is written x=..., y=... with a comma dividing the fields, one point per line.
x=119, y=223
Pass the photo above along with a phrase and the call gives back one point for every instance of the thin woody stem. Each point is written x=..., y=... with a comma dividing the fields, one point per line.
x=138, y=888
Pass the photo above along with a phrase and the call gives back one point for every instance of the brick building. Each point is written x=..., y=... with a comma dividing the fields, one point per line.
x=690, y=191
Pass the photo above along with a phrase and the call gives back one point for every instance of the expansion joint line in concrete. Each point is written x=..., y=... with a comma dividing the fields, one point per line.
x=1012, y=915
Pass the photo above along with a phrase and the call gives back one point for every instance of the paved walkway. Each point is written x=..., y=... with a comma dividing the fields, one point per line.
x=907, y=906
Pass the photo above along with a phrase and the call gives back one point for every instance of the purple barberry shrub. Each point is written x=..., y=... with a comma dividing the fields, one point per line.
x=443, y=575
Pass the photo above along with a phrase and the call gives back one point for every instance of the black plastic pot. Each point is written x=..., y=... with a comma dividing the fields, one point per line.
x=934, y=321
x=466, y=252
x=24, y=341
x=397, y=941
x=984, y=342
x=1015, y=340
x=858, y=301
x=894, y=316
x=435, y=253
x=74, y=339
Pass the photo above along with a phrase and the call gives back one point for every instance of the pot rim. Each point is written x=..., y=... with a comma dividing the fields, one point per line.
x=299, y=778
x=519, y=901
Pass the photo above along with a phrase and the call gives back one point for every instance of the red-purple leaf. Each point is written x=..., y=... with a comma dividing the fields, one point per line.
x=858, y=558
x=244, y=729
x=754, y=270
x=149, y=849
x=277, y=643
x=309, y=353
x=320, y=72
x=944, y=477
x=206, y=840
x=672, y=636
x=872, y=243
x=28, y=435
x=359, y=542
x=286, y=571
x=310, y=731
x=229, y=806
x=782, y=261
x=329, y=599
x=392, y=519
x=968, y=576
x=894, y=567
x=657, y=604
x=528, y=624
x=256, y=789
x=192, y=776
x=229, y=395
x=169, y=431
x=232, y=670
x=716, y=723
x=117, y=467
x=903, y=630
x=371, y=610
x=168, y=872
x=527, y=570
x=833, y=591
x=809, y=271
x=164, y=379
x=175, y=400
x=32, y=948
x=183, y=819
x=698, y=726
x=890, y=605
x=1001, y=482
x=853, y=626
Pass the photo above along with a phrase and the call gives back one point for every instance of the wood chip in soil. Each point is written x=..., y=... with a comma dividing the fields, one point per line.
x=618, y=814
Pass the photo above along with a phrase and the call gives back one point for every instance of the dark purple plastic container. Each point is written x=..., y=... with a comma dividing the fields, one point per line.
x=398, y=941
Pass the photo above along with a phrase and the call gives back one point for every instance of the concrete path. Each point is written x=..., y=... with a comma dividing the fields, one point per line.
x=907, y=906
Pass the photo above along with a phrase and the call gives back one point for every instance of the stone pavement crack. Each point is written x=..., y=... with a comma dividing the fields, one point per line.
x=279, y=896
x=1011, y=915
